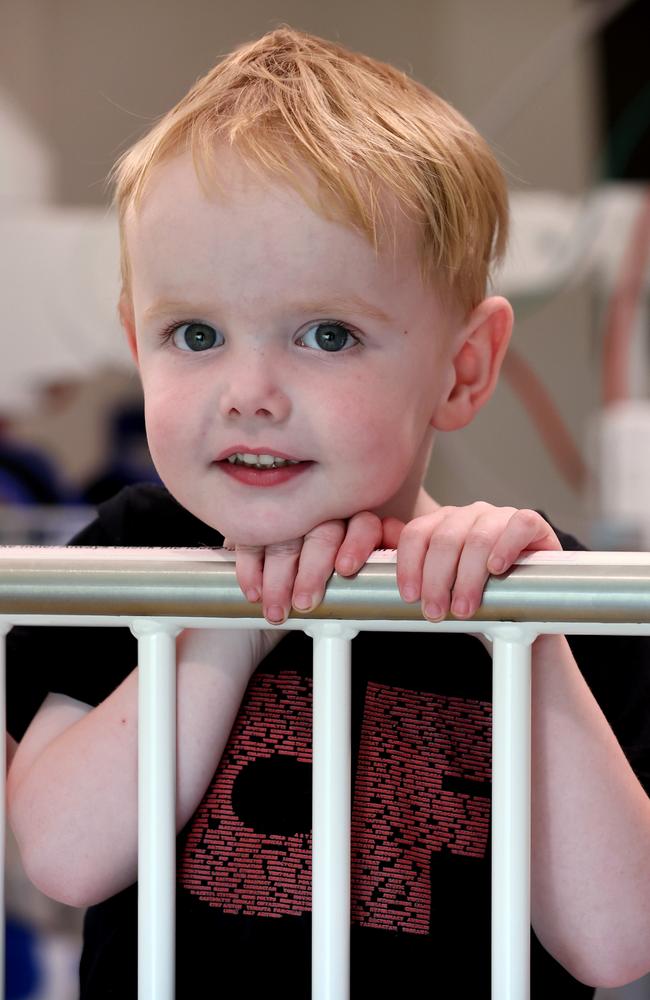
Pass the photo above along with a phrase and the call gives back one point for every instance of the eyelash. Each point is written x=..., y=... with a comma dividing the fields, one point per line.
x=339, y=325
x=168, y=332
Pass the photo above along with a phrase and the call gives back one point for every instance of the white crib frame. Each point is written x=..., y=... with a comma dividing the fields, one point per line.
x=159, y=592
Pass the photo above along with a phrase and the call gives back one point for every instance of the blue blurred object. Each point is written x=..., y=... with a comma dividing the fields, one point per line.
x=23, y=976
x=28, y=477
x=129, y=460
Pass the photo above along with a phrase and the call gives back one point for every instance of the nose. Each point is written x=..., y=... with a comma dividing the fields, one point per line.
x=252, y=390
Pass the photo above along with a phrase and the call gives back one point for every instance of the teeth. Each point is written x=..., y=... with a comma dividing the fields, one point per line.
x=260, y=461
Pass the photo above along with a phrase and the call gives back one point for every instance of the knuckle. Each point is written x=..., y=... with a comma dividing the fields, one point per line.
x=406, y=580
x=248, y=551
x=471, y=593
x=327, y=534
x=528, y=517
x=445, y=538
x=246, y=568
x=446, y=511
x=410, y=534
x=436, y=595
x=276, y=593
x=289, y=548
x=420, y=526
x=365, y=517
x=480, y=538
x=309, y=581
x=436, y=588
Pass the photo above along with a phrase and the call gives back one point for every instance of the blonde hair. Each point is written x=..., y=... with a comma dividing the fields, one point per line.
x=361, y=127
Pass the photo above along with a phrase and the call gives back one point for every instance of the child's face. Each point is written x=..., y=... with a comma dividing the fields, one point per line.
x=258, y=287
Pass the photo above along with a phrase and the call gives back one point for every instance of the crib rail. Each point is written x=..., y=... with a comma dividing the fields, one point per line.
x=157, y=593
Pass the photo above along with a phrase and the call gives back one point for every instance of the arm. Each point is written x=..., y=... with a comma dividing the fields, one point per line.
x=10, y=749
x=590, y=830
x=72, y=785
x=590, y=815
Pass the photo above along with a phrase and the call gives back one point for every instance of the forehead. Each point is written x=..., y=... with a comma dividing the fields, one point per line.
x=259, y=234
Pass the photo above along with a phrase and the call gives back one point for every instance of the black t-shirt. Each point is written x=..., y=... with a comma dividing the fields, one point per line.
x=421, y=715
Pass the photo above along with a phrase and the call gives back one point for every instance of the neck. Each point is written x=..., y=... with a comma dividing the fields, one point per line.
x=424, y=504
x=412, y=500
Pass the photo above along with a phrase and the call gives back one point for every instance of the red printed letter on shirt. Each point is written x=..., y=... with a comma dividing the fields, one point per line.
x=421, y=786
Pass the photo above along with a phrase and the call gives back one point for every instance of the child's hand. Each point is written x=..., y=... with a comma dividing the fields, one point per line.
x=295, y=573
x=445, y=558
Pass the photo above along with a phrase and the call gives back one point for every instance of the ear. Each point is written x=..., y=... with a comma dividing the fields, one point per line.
x=475, y=364
x=127, y=319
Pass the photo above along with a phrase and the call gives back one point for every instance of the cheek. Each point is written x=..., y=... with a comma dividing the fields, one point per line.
x=168, y=418
x=389, y=416
x=377, y=435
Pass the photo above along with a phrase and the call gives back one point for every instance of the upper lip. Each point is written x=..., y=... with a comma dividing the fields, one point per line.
x=244, y=449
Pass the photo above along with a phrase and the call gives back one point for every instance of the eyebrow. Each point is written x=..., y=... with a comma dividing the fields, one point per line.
x=350, y=303
x=333, y=304
x=167, y=307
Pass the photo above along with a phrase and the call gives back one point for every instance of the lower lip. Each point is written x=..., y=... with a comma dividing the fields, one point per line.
x=264, y=477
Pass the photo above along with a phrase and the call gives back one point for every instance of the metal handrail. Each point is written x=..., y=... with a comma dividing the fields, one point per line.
x=588, y=587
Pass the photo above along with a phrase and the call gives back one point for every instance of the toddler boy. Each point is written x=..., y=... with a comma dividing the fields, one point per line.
x=306, y=242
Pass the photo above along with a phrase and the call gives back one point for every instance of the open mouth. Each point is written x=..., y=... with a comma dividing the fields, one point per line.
x=262, y=470
x=251, y=461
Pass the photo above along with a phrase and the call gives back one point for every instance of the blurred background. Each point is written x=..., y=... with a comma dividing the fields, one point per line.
x=562, y=91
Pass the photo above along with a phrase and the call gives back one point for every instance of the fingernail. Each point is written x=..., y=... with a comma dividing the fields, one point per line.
x=346, y=564
x=460, y=607
x=252, y=596
x=496, y=565
x=432, y=611
x=303, y=602
x=275, y=614
x=409, y=593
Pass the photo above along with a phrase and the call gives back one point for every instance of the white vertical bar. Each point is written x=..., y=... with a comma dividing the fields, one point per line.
x=3, y=807
x=156, y=809
x=331, y=811
x=511, y=814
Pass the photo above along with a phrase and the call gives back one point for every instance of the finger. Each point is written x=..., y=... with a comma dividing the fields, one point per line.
x=472, y=570
x=249, y=565
x=442, y=558
x=525, y=530
x=412, y=549
x=362, y=536
x=280, y=566
x=392, y=530
x=316, y=565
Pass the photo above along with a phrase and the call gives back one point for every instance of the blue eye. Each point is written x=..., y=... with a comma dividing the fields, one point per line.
x=196, y=337
x=330, y=336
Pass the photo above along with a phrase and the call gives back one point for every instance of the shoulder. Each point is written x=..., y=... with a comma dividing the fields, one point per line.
x=147, y=515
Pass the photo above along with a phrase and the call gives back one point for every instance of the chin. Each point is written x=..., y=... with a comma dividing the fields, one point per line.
x=247, y=535
x=262, y=532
